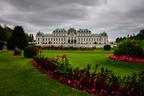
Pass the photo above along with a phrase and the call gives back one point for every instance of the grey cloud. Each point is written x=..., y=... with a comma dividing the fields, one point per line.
x=118, y=18
x=34, y=5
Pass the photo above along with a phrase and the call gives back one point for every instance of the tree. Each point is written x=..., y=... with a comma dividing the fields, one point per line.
x=30, y=37
x=1, y=45
x=18, y=39
x=140, y=35
x=10, y=44
x=2, y=34
x=9, y=32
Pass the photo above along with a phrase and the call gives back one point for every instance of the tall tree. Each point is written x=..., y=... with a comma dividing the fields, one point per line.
x=8, y=31
x=10, y=44
x=30, y=37
x=2, y=34
x=18, y=39
x=141, y=35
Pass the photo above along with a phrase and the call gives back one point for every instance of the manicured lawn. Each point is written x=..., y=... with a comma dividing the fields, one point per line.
x=82, y=58
x=19, y=78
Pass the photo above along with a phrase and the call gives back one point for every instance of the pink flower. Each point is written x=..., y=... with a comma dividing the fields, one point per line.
x=74, y=85
x=126, y=58
x=78, y=82
x=60, y=78
x=69, y=81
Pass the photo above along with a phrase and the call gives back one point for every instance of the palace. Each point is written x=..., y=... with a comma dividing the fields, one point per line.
x=72, y=37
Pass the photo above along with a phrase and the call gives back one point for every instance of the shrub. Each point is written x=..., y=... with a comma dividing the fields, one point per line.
x=61, y=47
x=31, y=51
x=107, y=47
x=1, y=45
x=129, y=48
x=17, y=52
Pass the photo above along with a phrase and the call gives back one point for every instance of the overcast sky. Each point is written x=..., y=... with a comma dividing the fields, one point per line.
x=116, y=17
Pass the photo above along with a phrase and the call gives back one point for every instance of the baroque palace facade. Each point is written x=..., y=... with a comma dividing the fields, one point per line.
x=71, y=37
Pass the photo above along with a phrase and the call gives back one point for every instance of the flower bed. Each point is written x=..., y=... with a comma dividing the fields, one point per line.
x=103, y=83
x=67, y=48
x=126, y=58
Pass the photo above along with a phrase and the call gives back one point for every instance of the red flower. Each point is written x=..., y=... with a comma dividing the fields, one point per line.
x=92, y=91
x=95, y=80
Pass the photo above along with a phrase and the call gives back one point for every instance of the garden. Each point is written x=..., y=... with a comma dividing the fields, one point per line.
x=92, y=79
x=68, y=68
x=73, y=72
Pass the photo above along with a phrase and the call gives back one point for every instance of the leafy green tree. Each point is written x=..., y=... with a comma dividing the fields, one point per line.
x=18, y=39
x=1, y=45
x=10, y=44
x=140, y=35
x=9, y=32
x=2, y=34
x=30, y=37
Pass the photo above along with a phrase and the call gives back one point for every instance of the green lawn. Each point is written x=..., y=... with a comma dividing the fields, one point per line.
x=82, y=58
x=19, y=78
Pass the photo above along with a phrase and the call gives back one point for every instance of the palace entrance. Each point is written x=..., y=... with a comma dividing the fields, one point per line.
x=72, y=41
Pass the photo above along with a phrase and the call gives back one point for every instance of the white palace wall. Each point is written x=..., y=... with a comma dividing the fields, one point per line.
x=73, y=38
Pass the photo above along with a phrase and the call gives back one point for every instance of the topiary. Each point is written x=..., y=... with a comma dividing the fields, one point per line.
x=31, y=51
x=107, y=47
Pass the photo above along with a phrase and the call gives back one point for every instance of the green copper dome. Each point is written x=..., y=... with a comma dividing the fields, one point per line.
x=71, y=30
x=103, y=34
x=40, y=34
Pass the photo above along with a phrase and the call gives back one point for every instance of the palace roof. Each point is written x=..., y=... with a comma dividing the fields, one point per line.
x=72, y=31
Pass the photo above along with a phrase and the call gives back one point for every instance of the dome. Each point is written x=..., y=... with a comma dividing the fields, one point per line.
x=40, y=34
x=103, y=34
x=71, y=30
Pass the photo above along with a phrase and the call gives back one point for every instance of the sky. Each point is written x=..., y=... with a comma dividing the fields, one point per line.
x=116, y=17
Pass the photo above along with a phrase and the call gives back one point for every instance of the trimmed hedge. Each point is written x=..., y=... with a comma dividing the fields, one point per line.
x=132, y=48
x=67, y=48
x=107, y=47
x=31, y=51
